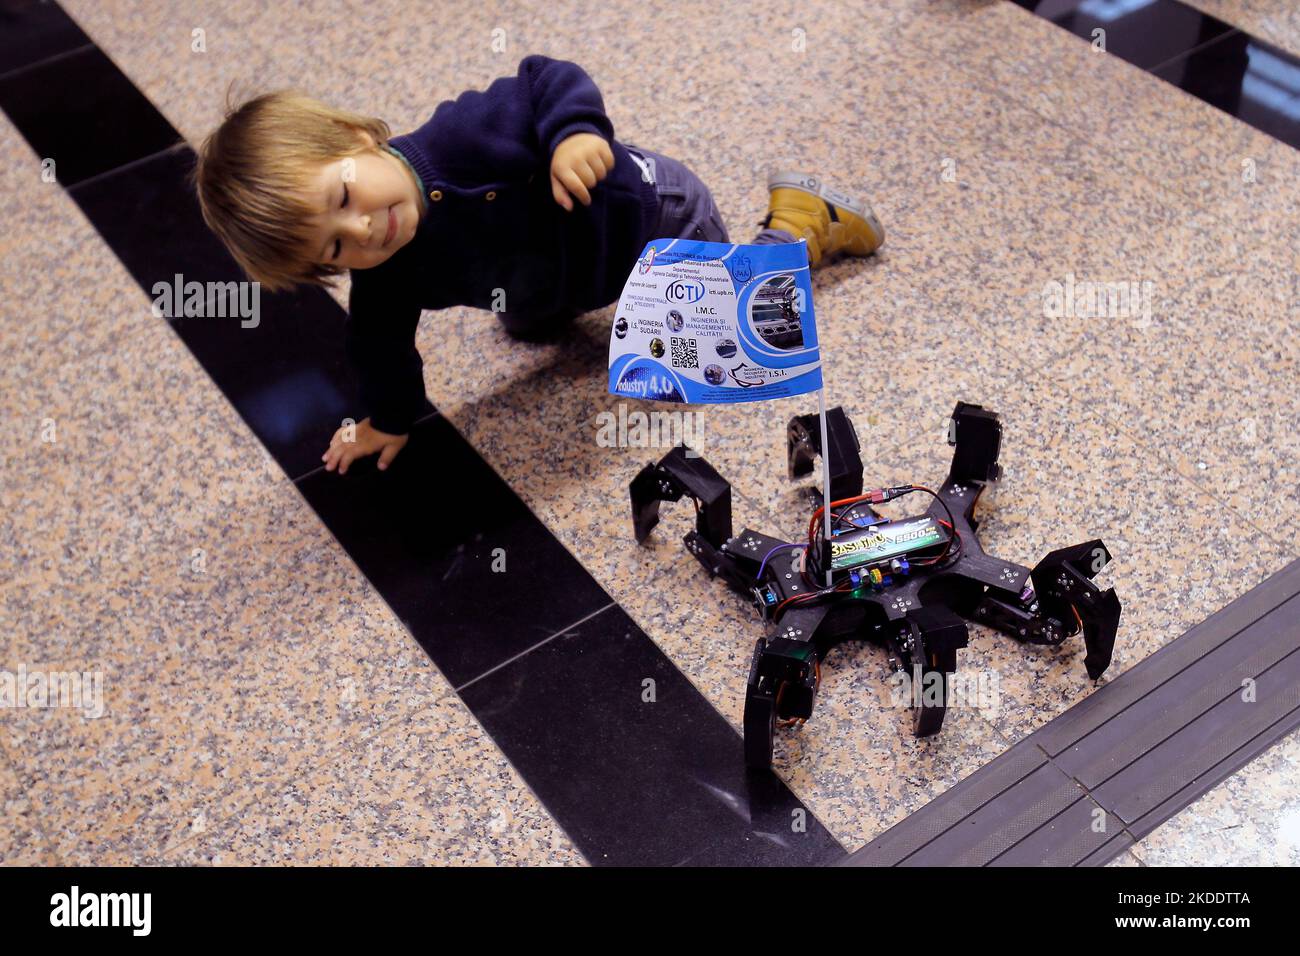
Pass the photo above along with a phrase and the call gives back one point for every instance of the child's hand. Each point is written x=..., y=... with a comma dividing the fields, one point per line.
x=579, y=162
x=367, y=441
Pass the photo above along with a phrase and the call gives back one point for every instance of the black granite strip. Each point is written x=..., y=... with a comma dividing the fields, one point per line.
x=1254, y=81
x=1226, y=67
x=428, y=533
x=1146, y=33
x=83, y=114
x=278, y=357
x=1131, y=755
x=631, y=759
x=35, y=30
x=147, y=211
x=546, y=661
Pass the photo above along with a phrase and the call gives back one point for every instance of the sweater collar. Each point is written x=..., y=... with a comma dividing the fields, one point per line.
x=406, y=149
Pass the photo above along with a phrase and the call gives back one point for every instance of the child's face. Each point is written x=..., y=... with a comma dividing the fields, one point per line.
x=356, y=197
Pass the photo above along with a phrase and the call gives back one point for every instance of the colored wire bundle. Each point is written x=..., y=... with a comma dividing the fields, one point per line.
x=877, y=496
x=840, y=509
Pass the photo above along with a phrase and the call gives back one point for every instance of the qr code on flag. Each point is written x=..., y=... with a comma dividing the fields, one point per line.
x=685, y=354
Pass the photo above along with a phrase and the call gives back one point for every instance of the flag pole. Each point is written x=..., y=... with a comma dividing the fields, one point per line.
x=826, y=473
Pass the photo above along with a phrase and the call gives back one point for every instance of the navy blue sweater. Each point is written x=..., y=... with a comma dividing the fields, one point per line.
x=492, y=223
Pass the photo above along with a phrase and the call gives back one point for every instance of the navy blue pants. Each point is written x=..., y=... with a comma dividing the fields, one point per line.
x=686, y=207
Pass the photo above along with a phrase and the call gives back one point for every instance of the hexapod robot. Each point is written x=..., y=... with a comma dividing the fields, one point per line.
x=908, y=584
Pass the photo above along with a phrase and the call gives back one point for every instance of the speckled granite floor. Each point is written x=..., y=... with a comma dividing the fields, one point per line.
x=262, y=703
x=1168, y=438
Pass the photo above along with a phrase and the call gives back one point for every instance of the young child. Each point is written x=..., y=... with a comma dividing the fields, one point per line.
x=516, y=199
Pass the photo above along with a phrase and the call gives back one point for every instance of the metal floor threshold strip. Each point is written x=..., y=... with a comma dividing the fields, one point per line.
x=1108, y=771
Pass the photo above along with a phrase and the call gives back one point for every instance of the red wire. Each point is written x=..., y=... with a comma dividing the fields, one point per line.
x=954, y=536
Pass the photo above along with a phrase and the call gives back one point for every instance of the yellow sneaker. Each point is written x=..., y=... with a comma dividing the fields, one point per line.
x=832, y=222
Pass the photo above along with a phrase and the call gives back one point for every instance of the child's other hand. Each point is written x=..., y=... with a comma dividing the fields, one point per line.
x=579, y=162
x=367, y=441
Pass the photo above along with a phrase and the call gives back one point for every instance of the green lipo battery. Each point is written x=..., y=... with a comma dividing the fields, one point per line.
x=884, y=541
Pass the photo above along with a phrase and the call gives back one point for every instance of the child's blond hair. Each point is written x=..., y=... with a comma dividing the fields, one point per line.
x=253, y=169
